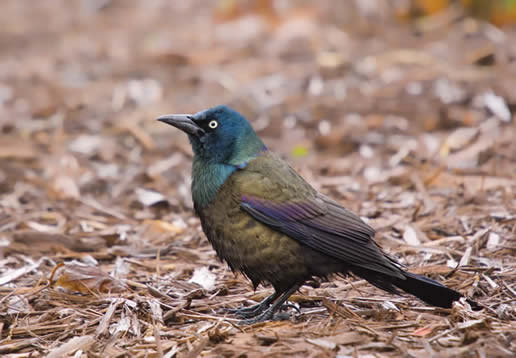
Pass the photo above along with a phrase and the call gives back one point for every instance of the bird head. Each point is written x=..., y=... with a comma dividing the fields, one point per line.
x=218, y=135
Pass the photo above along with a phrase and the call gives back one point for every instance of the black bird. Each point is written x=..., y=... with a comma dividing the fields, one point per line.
x=267, y=222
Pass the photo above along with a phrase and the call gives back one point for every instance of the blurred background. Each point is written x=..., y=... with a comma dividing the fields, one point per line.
x=81, y=81
x=402, y=110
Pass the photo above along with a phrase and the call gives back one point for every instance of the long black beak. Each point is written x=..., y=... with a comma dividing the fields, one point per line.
x=183, y=122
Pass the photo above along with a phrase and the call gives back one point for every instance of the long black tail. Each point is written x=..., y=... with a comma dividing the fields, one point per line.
x=427, y=290
x=430, y=291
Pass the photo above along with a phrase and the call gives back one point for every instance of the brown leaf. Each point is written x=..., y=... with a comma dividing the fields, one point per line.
x=423, y=332
x=162, y=227
x=149, y=197
x=85, y=279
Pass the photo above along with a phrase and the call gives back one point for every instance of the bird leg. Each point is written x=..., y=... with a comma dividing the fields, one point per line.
x=255, y=310
x=269, y=313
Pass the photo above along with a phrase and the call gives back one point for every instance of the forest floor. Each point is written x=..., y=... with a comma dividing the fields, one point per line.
x=411, y=125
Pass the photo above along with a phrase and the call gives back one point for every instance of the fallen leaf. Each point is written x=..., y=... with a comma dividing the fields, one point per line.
x=204, y=278
x=149, y=197
x=85, y=279
x=494, y=103
x=160, y=227
x=423, y=331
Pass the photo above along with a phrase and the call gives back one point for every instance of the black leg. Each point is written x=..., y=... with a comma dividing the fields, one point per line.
x=269, y=313
x=255, y=310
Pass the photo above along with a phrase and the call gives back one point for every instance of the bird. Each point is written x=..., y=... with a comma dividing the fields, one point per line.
x=267, y=222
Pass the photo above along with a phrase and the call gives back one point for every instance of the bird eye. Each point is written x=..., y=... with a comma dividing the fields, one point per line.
x=213, y=124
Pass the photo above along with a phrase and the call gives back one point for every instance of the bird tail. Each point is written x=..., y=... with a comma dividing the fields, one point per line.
x=427, y=290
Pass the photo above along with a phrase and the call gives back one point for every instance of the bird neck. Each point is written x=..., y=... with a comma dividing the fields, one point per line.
x=245, y=149
x=208, y=177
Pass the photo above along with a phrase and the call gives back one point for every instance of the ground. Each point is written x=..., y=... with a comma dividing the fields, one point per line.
x=410, y=124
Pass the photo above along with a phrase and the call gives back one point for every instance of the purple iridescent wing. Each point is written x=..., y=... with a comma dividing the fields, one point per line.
x=325, y=226
x=273, y=193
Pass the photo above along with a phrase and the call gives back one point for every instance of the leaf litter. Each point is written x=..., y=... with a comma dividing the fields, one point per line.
x=100, y=252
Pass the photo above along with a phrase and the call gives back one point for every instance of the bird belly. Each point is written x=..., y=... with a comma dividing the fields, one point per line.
x=261, y=253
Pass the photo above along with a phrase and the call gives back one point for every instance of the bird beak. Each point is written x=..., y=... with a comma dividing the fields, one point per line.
x=183, y=122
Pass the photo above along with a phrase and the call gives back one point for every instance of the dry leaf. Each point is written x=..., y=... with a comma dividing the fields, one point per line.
x=423, y=331
x=85, y=279
x=149, y=197
x=496, y=104
x=160, y=227
x=204, y=278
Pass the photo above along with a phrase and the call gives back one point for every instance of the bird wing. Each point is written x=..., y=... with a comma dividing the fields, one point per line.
x=274, y=194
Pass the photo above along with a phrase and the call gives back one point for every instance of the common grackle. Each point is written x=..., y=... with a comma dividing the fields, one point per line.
x=266, y=221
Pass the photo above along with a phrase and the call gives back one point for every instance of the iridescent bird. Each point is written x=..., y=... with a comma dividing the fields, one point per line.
x=267, y=222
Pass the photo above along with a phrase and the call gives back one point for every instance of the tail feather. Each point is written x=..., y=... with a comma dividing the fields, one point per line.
x=427, y=290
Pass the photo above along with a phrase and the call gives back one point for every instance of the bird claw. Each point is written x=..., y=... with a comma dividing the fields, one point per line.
x=268, y=315
x=248, y=312
x=290, y=305
x=256, y=310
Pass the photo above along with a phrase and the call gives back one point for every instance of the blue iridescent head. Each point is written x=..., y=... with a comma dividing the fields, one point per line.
x=219, y=135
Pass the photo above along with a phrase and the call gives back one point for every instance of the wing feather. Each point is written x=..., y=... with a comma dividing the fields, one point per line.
x=287, y=203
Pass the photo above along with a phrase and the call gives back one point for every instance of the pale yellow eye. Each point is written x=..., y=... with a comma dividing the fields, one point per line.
x=213, y=124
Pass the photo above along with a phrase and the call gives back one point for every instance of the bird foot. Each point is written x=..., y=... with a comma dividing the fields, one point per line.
x=267, y=310
x=290, y=305
x=256, y=310
x=248, y=312
x=267, y=315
